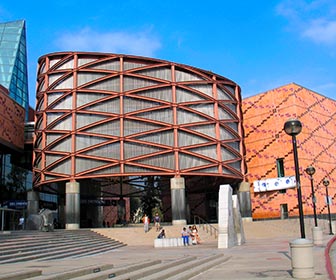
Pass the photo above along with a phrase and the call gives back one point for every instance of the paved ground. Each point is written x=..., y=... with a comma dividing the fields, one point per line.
x=265, y=255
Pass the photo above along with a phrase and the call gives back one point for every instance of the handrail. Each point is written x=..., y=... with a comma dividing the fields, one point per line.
x=205, y=226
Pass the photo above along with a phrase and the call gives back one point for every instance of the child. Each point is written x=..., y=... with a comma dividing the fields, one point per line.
x=162, y=234
x=185, y=237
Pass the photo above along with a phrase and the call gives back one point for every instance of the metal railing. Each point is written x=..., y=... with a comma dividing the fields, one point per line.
x=203, y=224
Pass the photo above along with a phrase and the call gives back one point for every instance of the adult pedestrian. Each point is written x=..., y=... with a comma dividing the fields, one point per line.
x=145, y=221
x=157, y=221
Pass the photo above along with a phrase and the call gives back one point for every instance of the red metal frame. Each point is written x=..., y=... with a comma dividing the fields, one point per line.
x=45, y=173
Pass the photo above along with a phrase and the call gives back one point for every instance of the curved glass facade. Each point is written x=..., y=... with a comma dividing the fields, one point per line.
x=102, y=115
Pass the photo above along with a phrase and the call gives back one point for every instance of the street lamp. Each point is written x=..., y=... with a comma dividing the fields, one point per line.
x=326, y=184
x=310, y=170
x=293, y=127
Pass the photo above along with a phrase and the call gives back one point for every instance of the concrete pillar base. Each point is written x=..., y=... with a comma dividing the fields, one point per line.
x=302, y=258
x=317, y=235
x=179, y=222
x=72, y=226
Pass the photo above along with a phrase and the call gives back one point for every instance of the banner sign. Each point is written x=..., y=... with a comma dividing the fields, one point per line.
x=16, y=204
x=274, y=184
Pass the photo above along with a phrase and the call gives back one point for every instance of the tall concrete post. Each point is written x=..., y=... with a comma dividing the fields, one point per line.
x=178, y=201
x=226, y=230
x=33, y=200
x=244, y=197
x=72, y=205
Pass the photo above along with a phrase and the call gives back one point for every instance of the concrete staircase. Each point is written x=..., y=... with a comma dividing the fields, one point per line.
x=181, y=268
x=20, y=246
x=134, y=235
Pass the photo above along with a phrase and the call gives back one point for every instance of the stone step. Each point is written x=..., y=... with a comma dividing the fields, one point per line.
x=117, y=271
x=60, y=246
x=178, y=269
x=75, y=273
x=151, y=271
x=40, y=245
x=199, y=268
x=78, y=251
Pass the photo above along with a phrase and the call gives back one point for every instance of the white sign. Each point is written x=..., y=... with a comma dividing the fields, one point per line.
x=273, y=184
x=328, y=200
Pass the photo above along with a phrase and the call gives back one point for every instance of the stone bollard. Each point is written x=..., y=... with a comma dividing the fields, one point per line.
x=317, y=235
x=302, y=258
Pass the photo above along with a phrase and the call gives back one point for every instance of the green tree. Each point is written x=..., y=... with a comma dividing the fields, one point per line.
x=151, y=198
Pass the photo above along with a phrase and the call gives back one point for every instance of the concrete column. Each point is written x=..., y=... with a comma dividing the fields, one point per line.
x=226, y=231
x=178, y=201
x=302, y=258
x=244, y=197
x=72, y=205
x=33, y=199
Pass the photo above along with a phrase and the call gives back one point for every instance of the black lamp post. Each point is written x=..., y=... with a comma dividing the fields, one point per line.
x=293, y=127
x=310, y=170
x=326, y=184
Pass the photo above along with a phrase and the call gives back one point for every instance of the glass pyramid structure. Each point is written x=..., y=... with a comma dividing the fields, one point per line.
x=13, y=61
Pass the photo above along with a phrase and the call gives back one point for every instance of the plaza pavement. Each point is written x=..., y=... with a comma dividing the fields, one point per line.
x=264, y=255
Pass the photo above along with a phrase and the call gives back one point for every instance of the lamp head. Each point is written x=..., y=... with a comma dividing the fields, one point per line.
x=310, y=170
x=325, y=182
x=293, y=127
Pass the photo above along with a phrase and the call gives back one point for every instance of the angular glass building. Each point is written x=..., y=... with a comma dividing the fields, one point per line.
x=13, y=61
x=102, y=118
x=15, y=129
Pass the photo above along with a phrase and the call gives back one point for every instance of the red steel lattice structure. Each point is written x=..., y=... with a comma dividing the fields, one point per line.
x=105, y=115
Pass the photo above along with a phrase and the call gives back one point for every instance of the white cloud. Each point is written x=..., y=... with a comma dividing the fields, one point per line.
x=321, y=31
x=314, y=20
x=141, y=43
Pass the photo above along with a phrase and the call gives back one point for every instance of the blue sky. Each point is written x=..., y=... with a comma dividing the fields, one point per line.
x=260, y=44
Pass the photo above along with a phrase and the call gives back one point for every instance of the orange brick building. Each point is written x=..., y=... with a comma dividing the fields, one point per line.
x=269, y=150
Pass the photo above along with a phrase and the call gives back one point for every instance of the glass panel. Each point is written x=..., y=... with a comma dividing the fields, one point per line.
x=86, y=141
x=165, y=115
x=184, y=117
x=133, y=127
x=131, y=83
x=87, y=119
x=188, y=139
x=113, y=65
x=134, y=150
x=66, y=83
x=183, y=95
x=207, y=109
x=189, y=161
x=136, y=104
x=163, y=138
x=107, y=128
x=182, y=76
x=85, y=77
x=112, y=84
x=223, y=95
x=106, y=151
x=87, y=97
x=132, y=65
x=160, y=73
x=164, y=161
x=163, y=93
x=204, y=88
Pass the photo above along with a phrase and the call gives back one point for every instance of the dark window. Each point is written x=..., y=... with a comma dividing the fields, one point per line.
x=280, y=167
